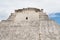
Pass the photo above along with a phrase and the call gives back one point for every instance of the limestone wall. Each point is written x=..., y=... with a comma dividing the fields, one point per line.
x=29, y=24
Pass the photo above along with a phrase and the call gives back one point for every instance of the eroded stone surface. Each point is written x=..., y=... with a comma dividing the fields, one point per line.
x=37, y=26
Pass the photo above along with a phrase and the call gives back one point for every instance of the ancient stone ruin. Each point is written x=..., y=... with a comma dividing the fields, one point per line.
x=29, y=24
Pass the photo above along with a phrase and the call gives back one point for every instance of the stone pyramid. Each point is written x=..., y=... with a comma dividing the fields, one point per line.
x=29, y=24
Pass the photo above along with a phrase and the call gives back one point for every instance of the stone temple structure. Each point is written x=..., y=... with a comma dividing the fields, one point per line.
x=29, y=24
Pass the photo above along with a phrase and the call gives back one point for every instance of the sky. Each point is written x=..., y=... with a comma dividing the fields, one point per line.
x=8, y=6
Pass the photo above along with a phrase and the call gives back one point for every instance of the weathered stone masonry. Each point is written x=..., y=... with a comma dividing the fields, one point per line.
x=29, y=24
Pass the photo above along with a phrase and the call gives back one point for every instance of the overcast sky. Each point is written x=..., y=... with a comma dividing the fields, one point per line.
x=8, y=6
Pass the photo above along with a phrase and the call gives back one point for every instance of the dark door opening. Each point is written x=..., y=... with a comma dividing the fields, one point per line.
x=26, y=18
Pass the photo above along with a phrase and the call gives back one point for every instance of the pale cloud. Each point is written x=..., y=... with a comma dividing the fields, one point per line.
x=8, y=6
